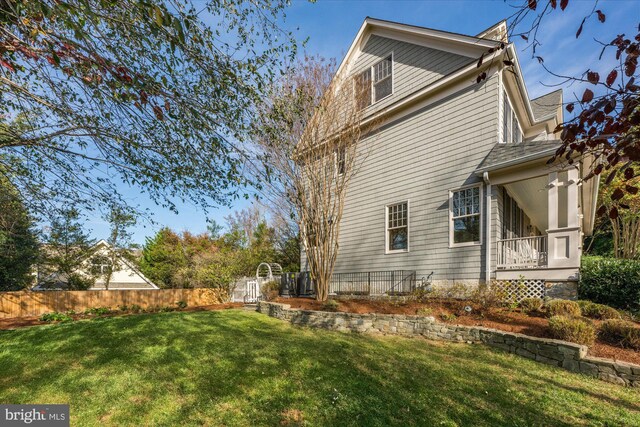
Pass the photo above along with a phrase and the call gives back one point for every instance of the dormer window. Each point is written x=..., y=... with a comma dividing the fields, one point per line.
x=381, y=86
x=511, y=133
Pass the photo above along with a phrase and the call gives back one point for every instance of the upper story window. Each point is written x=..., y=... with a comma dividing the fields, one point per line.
x=374, y=89
x=465, y=216
x=511, y=132
x=382, y=79
x=397, y=227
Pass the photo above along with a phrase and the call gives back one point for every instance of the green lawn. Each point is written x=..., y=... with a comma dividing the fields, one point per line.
x=241, y=368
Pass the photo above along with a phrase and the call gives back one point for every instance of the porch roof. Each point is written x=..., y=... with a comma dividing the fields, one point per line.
x=505, y=155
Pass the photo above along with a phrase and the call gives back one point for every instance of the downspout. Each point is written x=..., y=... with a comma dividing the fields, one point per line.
x=487, y=234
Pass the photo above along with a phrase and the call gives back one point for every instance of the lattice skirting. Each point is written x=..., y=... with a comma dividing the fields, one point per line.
x=517, y=290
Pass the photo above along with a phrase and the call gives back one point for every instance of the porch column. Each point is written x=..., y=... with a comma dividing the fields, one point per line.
x=563, y=245
x=572, y=194
x=553, y=201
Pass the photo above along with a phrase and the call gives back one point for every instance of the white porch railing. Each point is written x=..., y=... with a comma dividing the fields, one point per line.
x=522, y=252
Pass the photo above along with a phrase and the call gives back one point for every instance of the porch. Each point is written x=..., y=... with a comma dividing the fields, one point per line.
x=538, y=226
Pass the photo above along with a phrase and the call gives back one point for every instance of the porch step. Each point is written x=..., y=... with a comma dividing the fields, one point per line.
x=250, y=307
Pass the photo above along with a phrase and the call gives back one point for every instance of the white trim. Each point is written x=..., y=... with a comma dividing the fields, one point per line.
x=480, y=214
x=513, y=112
x=459, y=44
x=489, y=213
x=387, y=251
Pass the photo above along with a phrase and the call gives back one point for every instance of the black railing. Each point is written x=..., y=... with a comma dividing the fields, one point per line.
x=397, y=282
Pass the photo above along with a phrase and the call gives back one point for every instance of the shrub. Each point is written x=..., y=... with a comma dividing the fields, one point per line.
x=455, y=291
x=270, y=290
x=123, y=308
x=424, y=311
x=181, y=304
x=531, y=304
x=421, y=294
x=97, y=311
x=448, y=317
x=135, y=308
x=488, y=296
x=55, y=317
x=620, y=332
x=598, y=311
x=574, y=329
x=330, y=305
x=563, y=307
x=610, y=281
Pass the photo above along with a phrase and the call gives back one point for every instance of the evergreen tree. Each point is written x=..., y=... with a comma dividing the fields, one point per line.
x=162, y=256
x=68, y=246
x=18, y=243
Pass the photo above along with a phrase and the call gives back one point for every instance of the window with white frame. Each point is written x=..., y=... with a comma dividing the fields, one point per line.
x=398, y=227
x=465, y=211
x=511, y=133
x=100, y=265
x=375, y=83
x=382, y=79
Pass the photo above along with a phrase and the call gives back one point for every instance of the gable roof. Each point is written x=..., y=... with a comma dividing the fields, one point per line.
x=444, y=40
x=504, y=155
x=546, y=106
x=470, y=46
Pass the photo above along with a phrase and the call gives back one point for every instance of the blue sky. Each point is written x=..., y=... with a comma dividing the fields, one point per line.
x=332, y=25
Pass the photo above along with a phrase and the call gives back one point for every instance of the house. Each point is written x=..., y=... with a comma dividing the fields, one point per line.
x=124, y=276
x=456, y=181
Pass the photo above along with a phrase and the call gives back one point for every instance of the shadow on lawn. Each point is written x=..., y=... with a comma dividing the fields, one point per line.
x=244, y=368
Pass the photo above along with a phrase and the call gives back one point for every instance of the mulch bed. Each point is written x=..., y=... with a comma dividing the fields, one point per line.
x=452, y=311
x=19, y=322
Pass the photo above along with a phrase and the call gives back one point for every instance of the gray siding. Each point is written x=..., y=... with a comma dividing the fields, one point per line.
x=420, y=158
x=414, y=67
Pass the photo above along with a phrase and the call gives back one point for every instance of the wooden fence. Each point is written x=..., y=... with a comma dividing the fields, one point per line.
x=30, y=303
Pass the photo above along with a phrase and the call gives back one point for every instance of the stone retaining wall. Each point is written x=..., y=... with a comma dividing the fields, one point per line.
x=570, y=356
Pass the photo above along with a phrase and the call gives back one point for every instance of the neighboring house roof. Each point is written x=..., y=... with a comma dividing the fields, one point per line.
x=126, y=276
x=504, y=155
x=546, y=105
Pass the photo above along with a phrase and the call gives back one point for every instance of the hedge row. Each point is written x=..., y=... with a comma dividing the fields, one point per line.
x=610, y=281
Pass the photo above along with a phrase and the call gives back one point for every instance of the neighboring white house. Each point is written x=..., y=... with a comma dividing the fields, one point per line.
x=124, y=276
x=457, y=182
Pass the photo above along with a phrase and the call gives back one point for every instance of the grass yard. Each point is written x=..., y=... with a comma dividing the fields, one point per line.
x=242, y=368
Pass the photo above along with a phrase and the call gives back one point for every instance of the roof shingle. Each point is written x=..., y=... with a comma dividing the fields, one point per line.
x=505, y=154
x=546, y=105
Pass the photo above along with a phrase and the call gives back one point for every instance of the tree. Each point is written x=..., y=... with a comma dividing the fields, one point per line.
x=98, y=91
x=162, y=256
x=308, y=134
x=605, y=120
x=18, y=242
x=67, y=249
x=119, y=240
x=625, y=223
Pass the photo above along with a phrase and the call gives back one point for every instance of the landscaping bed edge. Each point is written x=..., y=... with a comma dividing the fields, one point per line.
x=564, y=354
